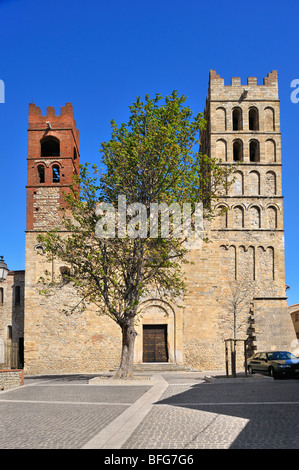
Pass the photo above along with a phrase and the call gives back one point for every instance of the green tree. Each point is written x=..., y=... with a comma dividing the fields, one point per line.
x=152, y=159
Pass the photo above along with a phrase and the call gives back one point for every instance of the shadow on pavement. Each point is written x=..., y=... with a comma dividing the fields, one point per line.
x=268, y=410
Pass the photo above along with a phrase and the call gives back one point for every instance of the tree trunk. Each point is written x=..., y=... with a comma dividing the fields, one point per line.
x=125, y=370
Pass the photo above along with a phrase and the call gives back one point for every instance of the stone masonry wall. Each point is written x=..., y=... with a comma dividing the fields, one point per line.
x=245, y=247
x=57, y=341
x=11, y=311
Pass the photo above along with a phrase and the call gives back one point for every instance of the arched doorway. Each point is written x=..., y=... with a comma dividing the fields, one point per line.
x=159, y=333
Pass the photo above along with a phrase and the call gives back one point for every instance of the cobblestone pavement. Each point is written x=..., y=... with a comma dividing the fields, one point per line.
x=260, y=414
x=178, y=411
x=60, y=413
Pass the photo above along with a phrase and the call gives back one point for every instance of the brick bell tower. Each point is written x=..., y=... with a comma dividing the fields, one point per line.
x=53, y=159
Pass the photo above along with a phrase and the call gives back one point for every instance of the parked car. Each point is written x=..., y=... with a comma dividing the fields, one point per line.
x=274, y=363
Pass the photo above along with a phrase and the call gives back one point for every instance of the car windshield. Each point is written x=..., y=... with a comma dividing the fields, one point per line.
x=280, y=355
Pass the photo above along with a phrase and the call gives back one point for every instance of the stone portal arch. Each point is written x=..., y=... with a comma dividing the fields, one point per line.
x=160, y=313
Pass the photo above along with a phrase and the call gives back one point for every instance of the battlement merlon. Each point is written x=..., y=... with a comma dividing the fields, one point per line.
x=52, y=121
x=237, y=91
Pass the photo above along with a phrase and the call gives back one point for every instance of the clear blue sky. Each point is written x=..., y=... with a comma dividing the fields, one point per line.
x=100, y=55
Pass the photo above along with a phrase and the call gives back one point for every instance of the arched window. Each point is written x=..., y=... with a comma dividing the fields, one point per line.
x=253, y=119
x=41, y=173
x=238, y=217
x=238, y=186
x=270, y=183
x=272, y=217
x=238, y=151
x=255, y=217
x=50, y=147
x=237, y=119
x=270, y=151
x=245, y=264
x=222, y=217
x=265, y=263
x=254, y=151
x=269, y=119
x=221, y=150
x=228, y=264
x=254, y=185
x=220, y=119
x=56, y=174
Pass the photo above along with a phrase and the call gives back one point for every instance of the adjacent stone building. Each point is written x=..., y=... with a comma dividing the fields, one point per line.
x=294, y=312
x=12, y=320
x=245, y=248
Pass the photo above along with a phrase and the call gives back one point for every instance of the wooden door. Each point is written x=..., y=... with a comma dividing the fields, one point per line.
x=155, y=343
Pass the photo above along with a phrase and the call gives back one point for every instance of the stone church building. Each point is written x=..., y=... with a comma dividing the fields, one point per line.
x=245, y=248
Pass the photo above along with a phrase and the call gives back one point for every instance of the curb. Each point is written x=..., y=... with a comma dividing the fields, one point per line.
x=235, y=380
x=141, y=380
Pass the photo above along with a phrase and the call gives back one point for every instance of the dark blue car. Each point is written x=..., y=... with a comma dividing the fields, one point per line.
x=274, y=363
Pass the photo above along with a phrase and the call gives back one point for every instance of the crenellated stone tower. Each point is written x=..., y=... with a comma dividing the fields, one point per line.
x=53, y=159
x=244, y=129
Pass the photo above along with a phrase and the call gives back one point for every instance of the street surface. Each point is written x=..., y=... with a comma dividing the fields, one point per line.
x=174, y=410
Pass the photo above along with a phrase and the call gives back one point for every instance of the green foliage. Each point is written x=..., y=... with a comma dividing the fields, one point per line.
x=151, y=159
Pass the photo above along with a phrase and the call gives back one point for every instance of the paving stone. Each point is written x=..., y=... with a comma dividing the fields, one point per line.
x=189, y=413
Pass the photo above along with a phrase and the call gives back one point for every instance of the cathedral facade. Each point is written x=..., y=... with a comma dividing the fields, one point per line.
x=244, y=253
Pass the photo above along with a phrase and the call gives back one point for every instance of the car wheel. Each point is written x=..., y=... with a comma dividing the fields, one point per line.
x=250, y=370
x=271, y=372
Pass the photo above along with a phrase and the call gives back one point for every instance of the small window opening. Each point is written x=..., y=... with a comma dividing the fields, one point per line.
x=237, y=119
x=56, y=174
x=17, y=295
x=65, y=274
x=75, y=154
x=41, y=173
x=238, y=151
x=9, y=332
x=254, y=153
x=50, y=147
x=1, y=296
x=253, y=119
